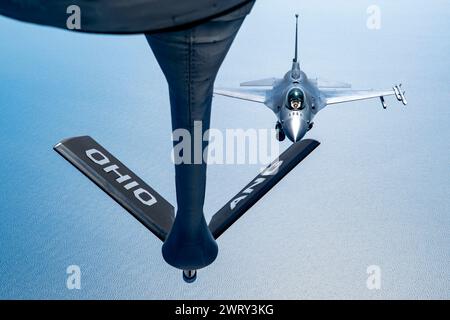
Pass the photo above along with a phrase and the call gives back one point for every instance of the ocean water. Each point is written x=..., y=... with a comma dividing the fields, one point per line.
x=376, y=192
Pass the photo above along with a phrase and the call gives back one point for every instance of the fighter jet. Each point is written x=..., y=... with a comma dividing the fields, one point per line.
x=296, y=99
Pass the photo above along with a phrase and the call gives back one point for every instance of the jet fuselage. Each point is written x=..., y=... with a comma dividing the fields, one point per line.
x=294, y=121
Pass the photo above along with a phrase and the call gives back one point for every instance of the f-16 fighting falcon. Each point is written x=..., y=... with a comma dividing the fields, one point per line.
x=296, y=99
x=189, y=39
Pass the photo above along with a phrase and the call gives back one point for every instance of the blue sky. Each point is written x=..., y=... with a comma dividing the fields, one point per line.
x=376, y=192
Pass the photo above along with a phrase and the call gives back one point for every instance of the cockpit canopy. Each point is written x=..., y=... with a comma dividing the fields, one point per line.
x=296, y=99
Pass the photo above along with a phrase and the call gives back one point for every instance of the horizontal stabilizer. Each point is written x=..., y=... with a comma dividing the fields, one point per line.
x=259, y=186
x=269, y=82
x=119, y=182
x=329, y=84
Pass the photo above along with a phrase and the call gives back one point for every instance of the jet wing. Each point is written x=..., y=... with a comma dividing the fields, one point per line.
x=269, y=82
x=255, y=95
x=340, y=96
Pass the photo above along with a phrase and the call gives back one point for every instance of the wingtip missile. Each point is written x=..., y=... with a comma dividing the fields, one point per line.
x=400, y=94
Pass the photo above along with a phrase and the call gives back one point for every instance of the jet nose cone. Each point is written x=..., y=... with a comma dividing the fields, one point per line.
x=293, y=129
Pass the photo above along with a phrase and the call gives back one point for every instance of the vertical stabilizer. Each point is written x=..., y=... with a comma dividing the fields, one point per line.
x=296, y=39
x=295, y=72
